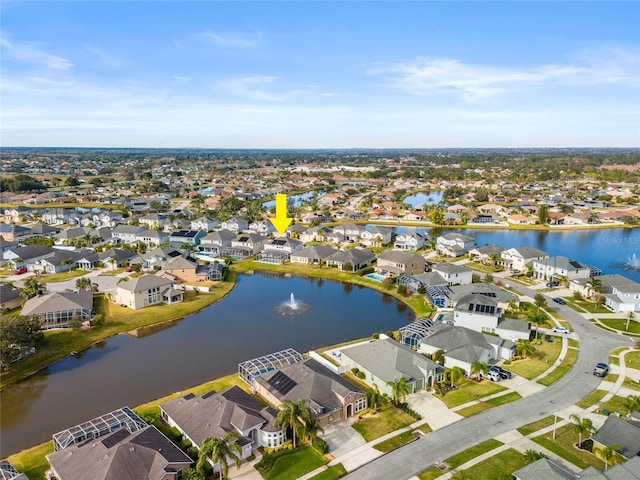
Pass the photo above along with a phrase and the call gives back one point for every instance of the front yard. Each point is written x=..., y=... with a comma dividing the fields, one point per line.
x=620, y=325
x=469, y=390
x=561, y=369
x=530, y=367
x=62, y=276
x=290, y=467
x=387, y=420
x=564, y=446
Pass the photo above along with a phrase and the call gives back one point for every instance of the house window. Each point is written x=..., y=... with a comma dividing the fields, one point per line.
x=360, y=404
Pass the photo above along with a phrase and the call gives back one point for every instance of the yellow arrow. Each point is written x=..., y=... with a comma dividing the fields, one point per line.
x=281, y=222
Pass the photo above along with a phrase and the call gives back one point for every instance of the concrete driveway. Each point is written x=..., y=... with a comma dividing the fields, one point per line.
x=432, y=409
x=342, y=438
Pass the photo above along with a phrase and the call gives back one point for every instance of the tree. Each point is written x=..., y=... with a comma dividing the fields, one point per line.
x=533, y=455
x=373, y=397
x=525, y=348
x=630, y=316
x=218, y=449
x=543, y=214
x=608, y=453
x=83, y=283
x=438, y=356
x=18, y=335
x=399, y=389
x=75, y=323
x=456, y=374
x=290, y=415
x=594, y=285
x=478, y=368
x=538, y=318
x=68, y=261
x=540, y=301
x=582, y=426
x=311, y=425
x=437, y=216
x=631, y=403
x=32, y=287
x=193, y=474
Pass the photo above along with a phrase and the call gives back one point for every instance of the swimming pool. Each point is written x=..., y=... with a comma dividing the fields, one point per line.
x=376, y=277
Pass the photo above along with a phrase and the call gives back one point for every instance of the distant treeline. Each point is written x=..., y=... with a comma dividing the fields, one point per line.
x=21, y=183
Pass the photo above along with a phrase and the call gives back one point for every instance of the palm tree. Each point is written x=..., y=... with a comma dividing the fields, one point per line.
x=456, y=374
x=311, y=425
x=540, y=301
x=32, y=287
x=399, y=389
x=478, y=368
x=68, y=261
x=631, y=403
x=608, y=453
x=582, y=425
x=594, y=286
x=525, y=348
x=538, y=318
x=218, y=449
x=533, y=455
x=113, y=262
x=438, y=357
x=83, y=283
x=290, y=416
x=373, y=397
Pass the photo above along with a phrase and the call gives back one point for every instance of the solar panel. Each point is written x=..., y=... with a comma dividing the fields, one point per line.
x=575, y=264
x=282, y=383
x=279, y=242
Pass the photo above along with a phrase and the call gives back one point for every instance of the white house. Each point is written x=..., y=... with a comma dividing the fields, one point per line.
x=454, y=244
x=205, y=224
x=552, y=268
x=454, y=274
x=377, y=235
x=624, y=298
x=409, y=241
x=235, y=224
x=517, y=258
x=262, y=227
x=145, y=291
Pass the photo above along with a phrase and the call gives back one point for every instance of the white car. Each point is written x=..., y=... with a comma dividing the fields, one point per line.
x=560, y=330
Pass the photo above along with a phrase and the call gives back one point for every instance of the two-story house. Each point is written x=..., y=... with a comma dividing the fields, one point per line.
x=262, y=227
x=518, y=258
x=454, y=274
x=454, y=244
x=204, y=223
x=559, y=267
x=145, y=291
x=377, y=236
x=393, y=263
x=409, y=241
x=216, y=241
x=235, y=224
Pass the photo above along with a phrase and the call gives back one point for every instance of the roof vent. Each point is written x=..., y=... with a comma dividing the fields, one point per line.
x=131, y=449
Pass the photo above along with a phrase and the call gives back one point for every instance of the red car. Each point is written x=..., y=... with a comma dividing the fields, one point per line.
x=129, y=268
x=20, y=271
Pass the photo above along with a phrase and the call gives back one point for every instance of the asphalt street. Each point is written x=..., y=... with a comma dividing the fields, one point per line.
x=595, y=345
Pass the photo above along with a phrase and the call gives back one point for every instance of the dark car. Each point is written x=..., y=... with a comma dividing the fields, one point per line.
x=553, y=284
x=20, y=271
x=504, y=374
x=601, y=370
x=559, y=301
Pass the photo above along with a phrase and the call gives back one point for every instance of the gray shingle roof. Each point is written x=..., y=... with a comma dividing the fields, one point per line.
x=485, y=289
x=317, y=252
x=353, y=256
x=397, y=256
x=625, y=434
x=543, y=469
x=145, y=282
x=58, y=301
x=449, y=268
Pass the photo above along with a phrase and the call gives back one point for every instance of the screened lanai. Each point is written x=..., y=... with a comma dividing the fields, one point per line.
x=251, y=369
x=103, y=425
x=411, y=334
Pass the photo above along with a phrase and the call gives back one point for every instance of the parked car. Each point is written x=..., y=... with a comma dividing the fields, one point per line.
x=559, y=301
x=601, y=370
x=560, y=330
x=494, y=376
x=553, y=284
x=504, y=374
x=129, y=268
x=20, y=271
x=514, y=271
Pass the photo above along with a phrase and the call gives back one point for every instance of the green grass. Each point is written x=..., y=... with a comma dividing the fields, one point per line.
x=563, y=446
x=331, y=473
x=387, y=420
x=529, y=428
x=544, y=356
x=503, y=463
x=62, y=276
x=591, y=399
x=573, y=343
x=431, y=473
x=614, y=361
x=632, y=359
x=591, y=307
x=425, y=428
x=395, y=442
x=631, y=384
x=620, y=324
x=614, y=404
x=475, y=451
x=31, y=462
x=611, y=377
x=60, y=343
x=295, y=465
x=561, y=369
x=486, y=405
x=112, y=273
x=470, y=390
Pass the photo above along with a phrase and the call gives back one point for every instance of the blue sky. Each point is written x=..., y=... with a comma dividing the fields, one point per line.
x=320, y=74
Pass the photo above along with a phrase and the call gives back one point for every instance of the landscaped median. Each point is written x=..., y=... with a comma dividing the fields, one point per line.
x=487, y=404
x=459, y=459
x=560, y=370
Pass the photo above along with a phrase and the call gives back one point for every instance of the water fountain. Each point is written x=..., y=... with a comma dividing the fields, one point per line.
x=633, y=262
x=292, y=307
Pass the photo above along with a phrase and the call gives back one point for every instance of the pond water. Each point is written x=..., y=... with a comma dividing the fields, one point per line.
x=128, y=370
x=420, y=198
x=296, y=200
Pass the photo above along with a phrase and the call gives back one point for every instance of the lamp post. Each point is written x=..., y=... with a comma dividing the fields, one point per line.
x=555, y=419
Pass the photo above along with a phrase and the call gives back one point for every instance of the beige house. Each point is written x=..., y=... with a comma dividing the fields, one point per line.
x=145, y=291
x=394, y=263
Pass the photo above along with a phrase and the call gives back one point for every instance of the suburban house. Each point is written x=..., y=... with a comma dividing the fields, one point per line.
x=127, y=233
x=183, y=269
x=486, y=254
x=19, y=256
x=356, y=258
x=235, y=224
x=377, y=236
x=9, y=297
x=41, y=230
x=392, y=263
x=558, y=267
x=330, y=397
x=386, y=360
x=437, y=291
x=504, y=298
x=117, y=256
x=205, y=224
x=59, y=216
x=520, y=219
x=350, y=231
x=453, y=274
x=482, y=313
x=216, y=241
x=454, y=244
x=17, y=214
x=14, y=233
x=214, y=414
x=186, y=238
x=624, y=434
x=152, y=238
x=409, y=241
x=252, y=242
x=159, y=256
x=315, y=234
x=55, y=309
x=155, y=221
x=549, y=470
x=58, y=261
x=283, y=244
x=519, y=257
x=118, y=445
x=313, y=254
x=262, y=227
x=86, y=259
x=624, y=298
x=145, y=291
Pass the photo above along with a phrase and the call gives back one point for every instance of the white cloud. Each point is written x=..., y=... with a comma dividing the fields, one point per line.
x=251, y=86
x=31, y=52
x=472, y=82
x=232, y=40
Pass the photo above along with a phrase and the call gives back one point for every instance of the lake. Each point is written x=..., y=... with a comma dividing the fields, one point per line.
x=125, y=370
x=421, y=198
x=295, y=200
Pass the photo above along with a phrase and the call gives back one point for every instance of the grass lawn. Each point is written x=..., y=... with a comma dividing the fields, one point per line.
x=463, y=457
x=295, y=465
x=611, y=377
x=631, y=384
x=632, y=359
x=563, y=446
x=614, y=405
x=425, y=428
x=62, y=276
x=431, y=473
x=59, y=343
x=331, y=473
x=112, y=273
x=503, y=463
x=620, y=324
x=561, y=369
x=486, y=405
x=32, y=462
x=529, y=428
x=544, y=356
x=395, y=442
x=387, y=420
x=591, y=307
x=573, y=343
x=591, y=399
x=614, y=361
x=469, y=390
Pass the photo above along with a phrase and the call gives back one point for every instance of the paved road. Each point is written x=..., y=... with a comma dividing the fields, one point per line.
x=413, y=458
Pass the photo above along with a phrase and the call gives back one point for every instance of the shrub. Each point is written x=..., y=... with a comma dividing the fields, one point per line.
x=185, y=444
x=391, y=334
x=320, y=445
x=355, y=370
x=375, y=336
x=366, y=271
x=507, y=362
x=268, y=459
x=361, y=375
x=402, y=290
x=193, y=453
